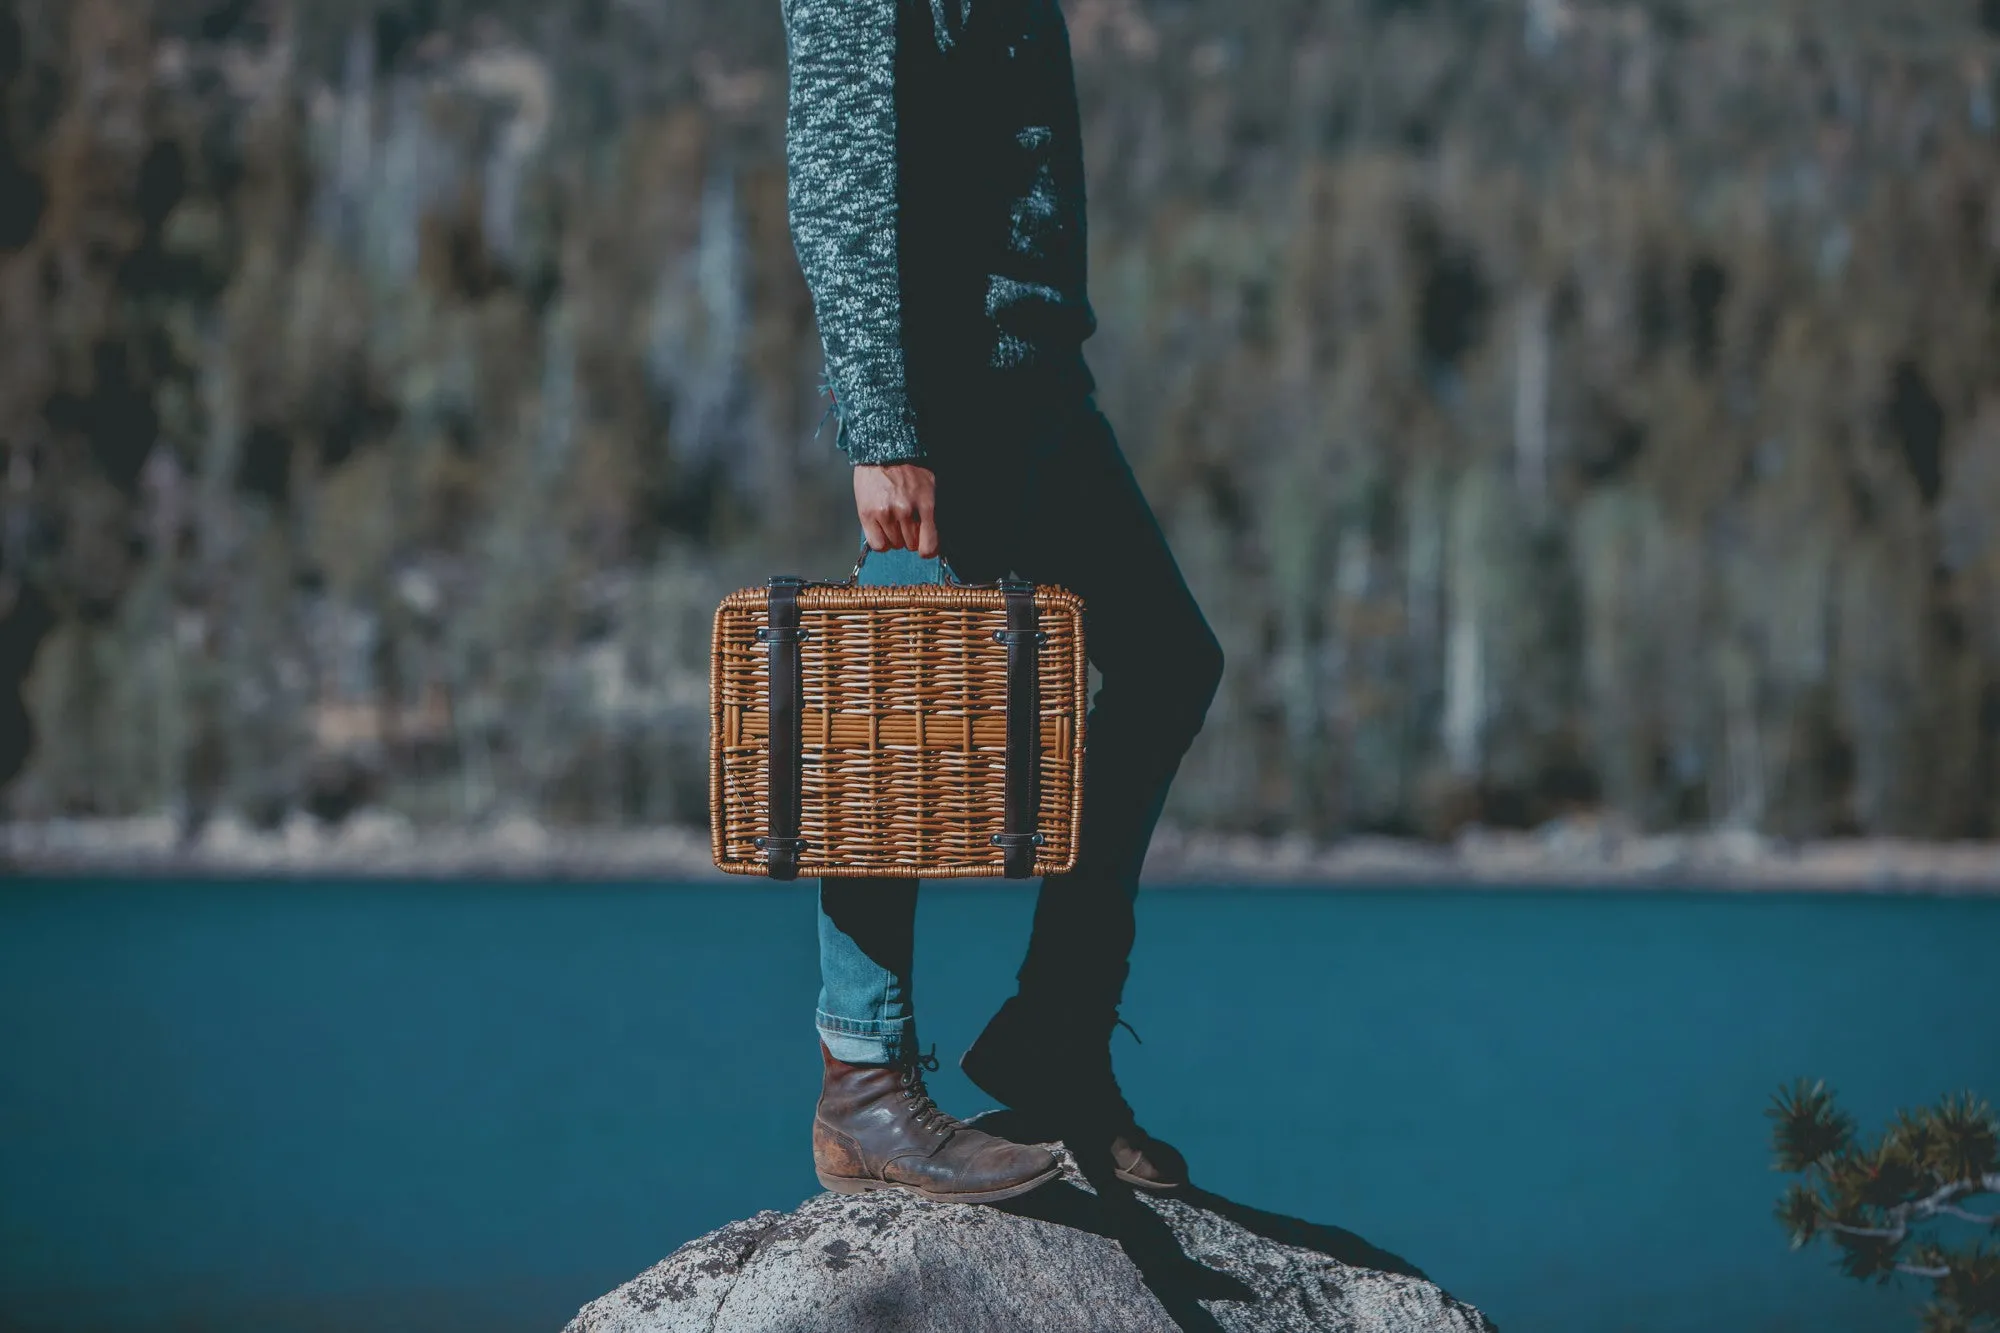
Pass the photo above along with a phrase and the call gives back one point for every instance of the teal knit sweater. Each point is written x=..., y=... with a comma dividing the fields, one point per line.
x=936, y=204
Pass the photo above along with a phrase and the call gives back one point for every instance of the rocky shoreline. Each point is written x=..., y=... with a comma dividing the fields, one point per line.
x=1579, y=854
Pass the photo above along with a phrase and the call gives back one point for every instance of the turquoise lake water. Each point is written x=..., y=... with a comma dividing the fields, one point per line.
x=331, y=1106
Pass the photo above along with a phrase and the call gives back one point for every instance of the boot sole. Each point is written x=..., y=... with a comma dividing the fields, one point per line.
x=858, y=1185
x=1151, y=1186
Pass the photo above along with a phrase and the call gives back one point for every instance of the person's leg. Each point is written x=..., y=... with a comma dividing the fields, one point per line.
x=867, y=924
x=1087, y=527
x=866, y=940
x=875, y=1125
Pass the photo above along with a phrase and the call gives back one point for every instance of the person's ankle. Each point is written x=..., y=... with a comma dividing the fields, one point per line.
x=850, y=1055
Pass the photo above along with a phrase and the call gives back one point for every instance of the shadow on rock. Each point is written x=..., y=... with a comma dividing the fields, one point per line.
x=1111, y=1208
x=1331, y=1241
x=1177, y=1281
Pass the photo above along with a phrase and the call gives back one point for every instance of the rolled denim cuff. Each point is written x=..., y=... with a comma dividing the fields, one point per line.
x=867, y=1041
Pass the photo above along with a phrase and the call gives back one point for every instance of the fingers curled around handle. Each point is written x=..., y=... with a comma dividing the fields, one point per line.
x=927, y=533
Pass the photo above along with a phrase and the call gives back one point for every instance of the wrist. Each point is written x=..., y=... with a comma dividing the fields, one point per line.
x=874, y=441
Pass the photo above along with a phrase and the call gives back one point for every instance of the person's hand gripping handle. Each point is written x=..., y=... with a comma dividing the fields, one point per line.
x=897, y=503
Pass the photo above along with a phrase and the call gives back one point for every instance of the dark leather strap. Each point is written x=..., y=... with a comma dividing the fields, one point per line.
x=1024, y=731
x=781, y=632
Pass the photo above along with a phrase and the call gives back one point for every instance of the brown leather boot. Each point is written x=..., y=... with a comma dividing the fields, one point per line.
x=1057, y=1073
x=877, y=1128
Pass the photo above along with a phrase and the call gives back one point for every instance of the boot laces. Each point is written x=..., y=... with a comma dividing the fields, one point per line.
x=923, y=1110
x=1113, y=1104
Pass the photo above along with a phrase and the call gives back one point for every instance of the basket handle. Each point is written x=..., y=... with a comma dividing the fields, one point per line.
x=951, y=578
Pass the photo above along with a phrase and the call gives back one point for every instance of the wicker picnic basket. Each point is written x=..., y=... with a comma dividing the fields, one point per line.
x=930, y=730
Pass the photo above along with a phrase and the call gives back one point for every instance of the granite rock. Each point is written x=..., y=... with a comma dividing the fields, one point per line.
x=1070, y=1256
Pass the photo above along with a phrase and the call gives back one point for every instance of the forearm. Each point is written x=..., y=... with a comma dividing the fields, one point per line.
x=843, y=204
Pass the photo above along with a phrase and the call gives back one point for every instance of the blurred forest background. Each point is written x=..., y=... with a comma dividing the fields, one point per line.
x=1558, y=405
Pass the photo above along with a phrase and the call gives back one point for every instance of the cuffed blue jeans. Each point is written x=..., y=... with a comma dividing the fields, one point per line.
x=1039, y=487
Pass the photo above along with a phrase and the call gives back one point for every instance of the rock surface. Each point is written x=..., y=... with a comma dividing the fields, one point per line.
x=1067, y=1257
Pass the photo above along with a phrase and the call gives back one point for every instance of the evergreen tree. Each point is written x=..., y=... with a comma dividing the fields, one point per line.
x=1887, y=1207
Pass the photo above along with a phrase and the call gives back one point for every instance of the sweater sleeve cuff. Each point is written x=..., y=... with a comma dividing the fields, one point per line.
x=878, y=443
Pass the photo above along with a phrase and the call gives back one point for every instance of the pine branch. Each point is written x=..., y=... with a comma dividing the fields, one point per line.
x=1897, y=1233
x=1869, y=1200
x=1936, y=1204
x=1967, y=1215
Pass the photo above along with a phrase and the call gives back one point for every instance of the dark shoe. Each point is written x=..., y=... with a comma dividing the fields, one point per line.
x=1058, y=1077
x=877, y=1128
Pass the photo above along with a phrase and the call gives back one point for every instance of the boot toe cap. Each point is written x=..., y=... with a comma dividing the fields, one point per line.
x=983, y=1167
x=1024, y=1161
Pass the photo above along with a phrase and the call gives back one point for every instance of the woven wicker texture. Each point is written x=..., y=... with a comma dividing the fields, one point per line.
x=903, y=731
